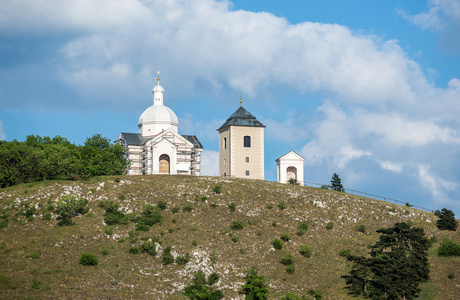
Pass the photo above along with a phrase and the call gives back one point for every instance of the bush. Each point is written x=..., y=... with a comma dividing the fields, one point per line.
x=285, y=237
x=292, y=296
x=345, y=253
x=290, y=269
x=68, y=207
x=277, y=244
x=149, y=248
x=446, y=220
x=232, y=207
x=175, y=209
x=256, y=286
x=318, y=295
x=361, y=228
x=448, y=248
x=162, y=205
x=105, y=252
x=187, y=208
x=88, y=259
x=217, y=189
x=46, y=217
x=213, y=278
x=287, y=260
x=201, y=288
x=282, y=205
x=234, y=239
x=183, y=259
x=134, y=250
x=33, y=255
x=306, y=251
x=167, y=257
x=151, y=215
x=451, y=275
x=237, y=225
x=112, y=216
x=329, y=226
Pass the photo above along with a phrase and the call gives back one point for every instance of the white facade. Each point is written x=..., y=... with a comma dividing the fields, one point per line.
x=290, y=166
x=158, y=148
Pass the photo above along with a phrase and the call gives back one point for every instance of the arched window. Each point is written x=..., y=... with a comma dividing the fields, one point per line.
x=224, y=143
x=247, y=141
x=291, y=172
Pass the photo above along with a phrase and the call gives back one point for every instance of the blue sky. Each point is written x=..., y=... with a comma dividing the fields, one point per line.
x=367, y=89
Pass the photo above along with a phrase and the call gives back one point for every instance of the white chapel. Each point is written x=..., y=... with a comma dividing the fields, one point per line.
x=158, y=148
x=290, y=166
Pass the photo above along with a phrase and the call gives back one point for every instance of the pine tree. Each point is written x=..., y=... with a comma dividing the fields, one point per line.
x=397, y=264
x=446, y=220
x=336, y=183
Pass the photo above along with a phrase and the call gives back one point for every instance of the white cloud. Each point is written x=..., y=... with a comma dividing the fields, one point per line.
x=210, y=163
x=435, y=185
x=439, y=14
x=2, y=132
x=390, y=166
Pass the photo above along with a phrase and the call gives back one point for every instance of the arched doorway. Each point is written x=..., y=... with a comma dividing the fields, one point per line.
x=164, y=164
x=291, y=172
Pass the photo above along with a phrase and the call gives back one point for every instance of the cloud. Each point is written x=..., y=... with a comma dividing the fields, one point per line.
x=2, y=132
x=210, y=163
x=210, y=48
x=390, y=166
x=435, y=185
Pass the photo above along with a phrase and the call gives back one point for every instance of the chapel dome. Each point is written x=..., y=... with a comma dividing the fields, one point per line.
x=159, y=114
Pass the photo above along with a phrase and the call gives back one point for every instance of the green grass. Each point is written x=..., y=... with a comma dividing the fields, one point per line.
x=199, y=231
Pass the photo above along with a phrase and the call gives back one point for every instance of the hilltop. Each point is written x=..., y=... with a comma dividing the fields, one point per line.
x=40, y=259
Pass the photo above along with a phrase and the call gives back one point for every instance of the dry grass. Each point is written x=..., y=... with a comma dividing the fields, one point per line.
x=56, y=274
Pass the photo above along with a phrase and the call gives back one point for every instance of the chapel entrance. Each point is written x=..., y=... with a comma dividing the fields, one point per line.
x=291, y=172
x=164, y=164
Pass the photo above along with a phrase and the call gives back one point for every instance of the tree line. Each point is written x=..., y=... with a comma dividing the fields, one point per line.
x=44, y=158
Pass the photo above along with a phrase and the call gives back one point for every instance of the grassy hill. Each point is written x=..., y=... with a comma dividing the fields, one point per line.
x=39, y=259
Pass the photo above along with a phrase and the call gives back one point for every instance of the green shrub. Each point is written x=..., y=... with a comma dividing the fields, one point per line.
x=68, y=207
x=88, y=259
x=149, y=248
x=361, y=228
x=134, y=250
x=151, y=215
x=201, y=288
x=282, y=205
x=204, y=198
x=195, y=243
x=217, y=189
x=213, y=278
x=105, y=252
x=234, y=239
x=345, y=253
x=175, y=209
x=167, y=257
x=232, y=207
x=112, y=216
x=302, y=228
x=451, y=275
x=274, y=224
x=329, y=226
x=306, y=250
x=256, y=286
x=46, y=217
x=292, y=296
x=290, y=269
x=277, y=244
x=237, y=225
x=162, y=205
x=187, y=208
x=285, y=237
x=448, y=248
x=141, y=226
x=269, y=206
x=318, y=295
x=33, y=255
x=183, y=259
x=108, y=230
x=214, y=205
x=121, y=197
x=287, y=260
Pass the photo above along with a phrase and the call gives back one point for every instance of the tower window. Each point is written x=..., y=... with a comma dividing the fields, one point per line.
x=247, y=159
x=224, y=143
x=247, y=172
x=247, y=141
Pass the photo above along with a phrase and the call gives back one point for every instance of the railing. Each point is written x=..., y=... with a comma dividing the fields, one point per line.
x=359, y=193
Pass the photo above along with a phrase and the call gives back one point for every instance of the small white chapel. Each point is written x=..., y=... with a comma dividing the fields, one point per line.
x=290, y=166
x=158, y=148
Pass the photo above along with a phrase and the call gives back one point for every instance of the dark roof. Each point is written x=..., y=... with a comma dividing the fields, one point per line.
x=194, y=140
x=137, y=140
x=241, y=117
x=132, y=138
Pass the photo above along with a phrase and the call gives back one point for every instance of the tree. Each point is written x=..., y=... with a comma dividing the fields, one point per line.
x=256, y=287
x=336, y=183
x=397, y=264
x=446, y=220
x=201, y=288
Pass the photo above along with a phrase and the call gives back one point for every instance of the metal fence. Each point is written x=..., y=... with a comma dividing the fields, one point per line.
x=359, y=193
